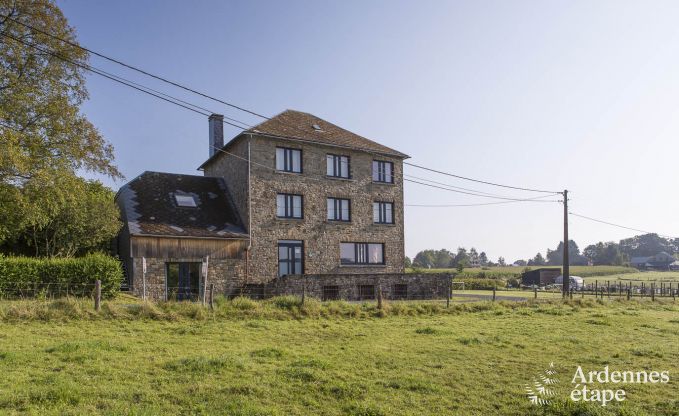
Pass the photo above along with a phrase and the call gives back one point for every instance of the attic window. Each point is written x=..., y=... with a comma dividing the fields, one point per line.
x=185, y=201
x=316, y=127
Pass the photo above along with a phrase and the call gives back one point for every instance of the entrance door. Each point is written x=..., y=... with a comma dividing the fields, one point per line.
x=290, y=257
x=183, y=281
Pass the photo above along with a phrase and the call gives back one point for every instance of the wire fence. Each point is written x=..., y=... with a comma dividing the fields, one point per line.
x=27, y=290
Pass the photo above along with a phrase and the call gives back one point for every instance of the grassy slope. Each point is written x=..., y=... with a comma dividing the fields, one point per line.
x=464, y=363
x=511, y=271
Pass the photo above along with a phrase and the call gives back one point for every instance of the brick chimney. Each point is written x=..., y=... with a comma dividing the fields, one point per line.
x=216, y=133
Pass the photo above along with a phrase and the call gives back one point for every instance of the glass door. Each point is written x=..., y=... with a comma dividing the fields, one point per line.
x=290, y=257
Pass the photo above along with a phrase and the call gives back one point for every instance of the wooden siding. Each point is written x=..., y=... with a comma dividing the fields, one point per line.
x=167, y=247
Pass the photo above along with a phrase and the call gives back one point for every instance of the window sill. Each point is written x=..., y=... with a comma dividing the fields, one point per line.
x=339, y=178
x=284, y=219
x=338, y=222
x=363, y=265
x=379, y=224
x=384, y=183
x=282, y=172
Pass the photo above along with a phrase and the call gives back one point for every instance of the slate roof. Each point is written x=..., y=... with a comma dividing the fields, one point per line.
x=297, y=125
x=149, y=207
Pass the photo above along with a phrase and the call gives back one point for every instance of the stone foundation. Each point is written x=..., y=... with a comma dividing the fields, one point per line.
x=356, y=287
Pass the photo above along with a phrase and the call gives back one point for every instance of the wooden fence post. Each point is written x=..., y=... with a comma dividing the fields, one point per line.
x=535, y=292
x=653, y=292
x=608, y=288
x=379, y=297
x=493, y=293
x=450, y=291
x=303, y=289
x=97, y=295
x=629, y=294
x=211, y=297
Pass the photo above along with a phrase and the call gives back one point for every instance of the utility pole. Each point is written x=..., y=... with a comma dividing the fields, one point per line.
x=566, y=266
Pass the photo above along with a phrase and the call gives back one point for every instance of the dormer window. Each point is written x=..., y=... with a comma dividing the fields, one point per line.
x=185, y=201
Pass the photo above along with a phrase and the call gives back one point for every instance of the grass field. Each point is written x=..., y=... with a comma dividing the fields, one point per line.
x=512, y=271
x=639, y=276
x=467, y=360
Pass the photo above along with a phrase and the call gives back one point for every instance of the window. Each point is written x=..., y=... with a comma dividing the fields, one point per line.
x=361, y=253
x=366, y=292
x=330, y=292
x=400, y=291
x=338, y=166
x=383, y=212
x=182, y=281
x=290, y=257
x=339, y=209
x=185, y=201
x=289, y=206
x=383, y=171
x=288, y=160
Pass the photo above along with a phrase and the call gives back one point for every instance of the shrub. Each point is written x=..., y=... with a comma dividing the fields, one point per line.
x=26, y=276
x=482, y=284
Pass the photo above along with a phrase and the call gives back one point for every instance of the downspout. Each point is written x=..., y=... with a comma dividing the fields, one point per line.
x=247, y=252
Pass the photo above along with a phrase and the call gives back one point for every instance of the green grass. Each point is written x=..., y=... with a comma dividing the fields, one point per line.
x=275, y=358
x=513, y=272
x=640, y=276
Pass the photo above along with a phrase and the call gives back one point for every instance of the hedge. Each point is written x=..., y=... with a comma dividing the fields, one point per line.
x=28, y=276
x=481, y=284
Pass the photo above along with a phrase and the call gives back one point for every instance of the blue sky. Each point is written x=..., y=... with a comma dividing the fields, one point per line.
x=546, y=94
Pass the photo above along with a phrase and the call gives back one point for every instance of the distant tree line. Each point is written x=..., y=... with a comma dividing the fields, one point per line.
x=601, y=253
x=443, y=259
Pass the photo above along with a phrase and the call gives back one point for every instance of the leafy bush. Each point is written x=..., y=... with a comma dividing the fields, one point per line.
x=482, y=284
x=28, y=277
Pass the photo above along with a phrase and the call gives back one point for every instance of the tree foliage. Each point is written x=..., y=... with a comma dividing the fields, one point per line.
x=40, y=97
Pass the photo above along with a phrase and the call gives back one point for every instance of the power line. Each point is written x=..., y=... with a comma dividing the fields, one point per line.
x=470, y=193
x=123, y=81
x=204, y=111
x=101, y=55
x=474, y=205
x=480, y=181
x=619, y=226
x=453, y=186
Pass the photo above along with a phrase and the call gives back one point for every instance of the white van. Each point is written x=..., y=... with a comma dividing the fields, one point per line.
x=576, y=282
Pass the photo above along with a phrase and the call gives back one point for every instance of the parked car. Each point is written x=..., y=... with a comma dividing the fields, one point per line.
x=576, y=282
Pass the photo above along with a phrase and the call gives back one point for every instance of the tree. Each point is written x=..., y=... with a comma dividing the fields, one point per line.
x=474, y=258
x=40, y=96
x=67, y=215
x=408, y=263
x=424, y=259
x=501, y=261
x=520, y=262
x=538, y=260
x=42, y=131
x=461, y=257
x=555, y=257
x=647, y=245
x=483, y=259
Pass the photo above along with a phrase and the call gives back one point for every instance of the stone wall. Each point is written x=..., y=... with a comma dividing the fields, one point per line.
x=418, y=286
x=228, y=276
x=321, y=237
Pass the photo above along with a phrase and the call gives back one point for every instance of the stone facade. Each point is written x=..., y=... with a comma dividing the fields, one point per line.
x=356, y=287
x=227, y=275
x=321, y=238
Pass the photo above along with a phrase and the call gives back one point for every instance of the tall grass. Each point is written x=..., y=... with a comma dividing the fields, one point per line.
x=278, y=308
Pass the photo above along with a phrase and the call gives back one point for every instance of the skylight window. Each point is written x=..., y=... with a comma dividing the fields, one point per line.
x=316, y=127
x=185, y=201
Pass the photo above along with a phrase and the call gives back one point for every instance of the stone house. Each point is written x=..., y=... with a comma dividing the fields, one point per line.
x=299, y=195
